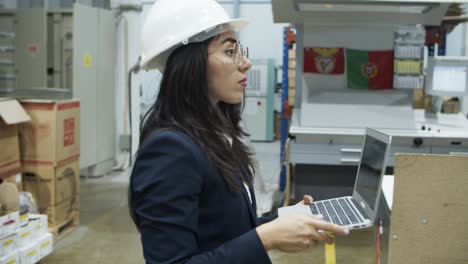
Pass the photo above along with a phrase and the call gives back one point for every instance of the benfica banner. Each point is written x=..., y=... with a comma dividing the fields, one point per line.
x=369, y=69
x=324, y=60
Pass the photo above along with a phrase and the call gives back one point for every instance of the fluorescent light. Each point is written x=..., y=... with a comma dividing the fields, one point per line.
x=366, y=8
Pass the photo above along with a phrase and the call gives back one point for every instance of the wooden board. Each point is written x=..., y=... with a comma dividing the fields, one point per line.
x=430, y=210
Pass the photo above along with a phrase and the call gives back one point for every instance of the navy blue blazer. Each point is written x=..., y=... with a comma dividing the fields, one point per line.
x=187, y=213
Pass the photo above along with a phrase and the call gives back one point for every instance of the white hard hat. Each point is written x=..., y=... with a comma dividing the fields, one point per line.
x=172, y=23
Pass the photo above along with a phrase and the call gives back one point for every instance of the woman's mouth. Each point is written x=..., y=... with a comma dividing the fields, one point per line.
x=243, y=82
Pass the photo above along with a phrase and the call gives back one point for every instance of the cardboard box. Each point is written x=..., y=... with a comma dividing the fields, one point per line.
x=451, y=107
x=292, y=83
x=30, y=254
x=53, y=135
x=24, y=236
x=291, y=96
x=428, y=103
x=11, y=114
x=292, y=54
x=51, y=186
x=292, y=64
x=62, y=212
x=421, y=100
x=9, y=198
x=418, y=99
x=16, y=180
x=7, y=245
x=291, y=78
x=39, y=223
x=24, y=219
x=46, y=245
x=9, y=224
x=12, y=258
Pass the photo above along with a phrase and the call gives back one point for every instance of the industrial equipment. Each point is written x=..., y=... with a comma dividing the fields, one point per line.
x=447, y=76
x=329, y=118
x=61, y=50
x=259, y=101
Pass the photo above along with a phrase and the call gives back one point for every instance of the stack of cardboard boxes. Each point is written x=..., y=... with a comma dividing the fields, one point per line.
x=23, y=237
x=50, y=150
x=26, y=241
x=292, y=76
x=11, y=115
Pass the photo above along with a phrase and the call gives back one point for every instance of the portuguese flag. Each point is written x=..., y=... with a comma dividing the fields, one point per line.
x=369, y=69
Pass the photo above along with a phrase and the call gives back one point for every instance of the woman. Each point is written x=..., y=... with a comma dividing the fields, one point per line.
x=191, y=192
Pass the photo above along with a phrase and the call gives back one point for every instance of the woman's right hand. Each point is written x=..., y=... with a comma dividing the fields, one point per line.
x=297, y=232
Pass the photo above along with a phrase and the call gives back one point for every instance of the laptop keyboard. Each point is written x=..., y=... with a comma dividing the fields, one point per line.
x=338, y=211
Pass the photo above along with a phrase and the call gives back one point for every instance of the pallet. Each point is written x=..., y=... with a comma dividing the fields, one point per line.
x=62, y=230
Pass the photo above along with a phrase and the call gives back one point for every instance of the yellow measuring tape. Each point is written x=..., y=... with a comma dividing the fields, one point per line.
x=330, y=254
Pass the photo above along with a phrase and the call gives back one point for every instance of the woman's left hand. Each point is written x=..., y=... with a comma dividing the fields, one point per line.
x=306, y=200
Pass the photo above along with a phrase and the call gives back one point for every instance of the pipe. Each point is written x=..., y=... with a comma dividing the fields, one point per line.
x=237, y=8
x=150, y=2
x=135, y=69
x=121, y=18
x=465, y=31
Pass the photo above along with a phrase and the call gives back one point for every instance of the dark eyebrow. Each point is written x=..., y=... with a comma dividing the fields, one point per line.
x=229, y=40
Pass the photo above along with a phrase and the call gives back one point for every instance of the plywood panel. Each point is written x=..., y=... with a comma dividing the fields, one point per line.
x=430, y=210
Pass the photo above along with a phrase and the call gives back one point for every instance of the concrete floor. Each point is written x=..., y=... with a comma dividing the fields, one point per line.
x=106, y=233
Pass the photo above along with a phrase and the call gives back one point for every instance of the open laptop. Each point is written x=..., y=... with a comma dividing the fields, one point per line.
x=357, y=211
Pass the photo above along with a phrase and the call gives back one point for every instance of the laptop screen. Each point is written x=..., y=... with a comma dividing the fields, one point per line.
x=368, y=178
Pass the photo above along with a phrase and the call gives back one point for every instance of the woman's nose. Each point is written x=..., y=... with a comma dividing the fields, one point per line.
x=246, y=65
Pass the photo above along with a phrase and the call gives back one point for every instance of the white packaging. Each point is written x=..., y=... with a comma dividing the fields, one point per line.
x=30, y=254
x=408, y=82
x=23, y=219
x=7, y=245
x=46, y=245
x=39, y=224
x=408, y=52
x=12, y=258
x=24, y=236
x=9, y=224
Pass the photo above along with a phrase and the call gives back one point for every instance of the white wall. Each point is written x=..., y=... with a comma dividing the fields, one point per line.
x=8, y=4
x=456, y=41
x=365, y=38
x=262, y=36
x=319, y=88
x=465, y=39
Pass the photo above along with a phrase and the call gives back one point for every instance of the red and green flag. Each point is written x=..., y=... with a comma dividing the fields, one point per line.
x=369, y=69
x=323, y=60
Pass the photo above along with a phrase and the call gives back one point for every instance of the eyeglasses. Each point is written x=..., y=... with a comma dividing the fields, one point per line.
x=239, y=54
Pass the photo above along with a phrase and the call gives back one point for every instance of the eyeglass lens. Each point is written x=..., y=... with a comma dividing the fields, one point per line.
x=241, y=53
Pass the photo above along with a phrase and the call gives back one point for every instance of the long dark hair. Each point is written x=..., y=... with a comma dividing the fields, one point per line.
x=183, y=104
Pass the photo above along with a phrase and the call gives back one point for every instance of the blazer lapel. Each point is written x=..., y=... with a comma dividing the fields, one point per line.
x=254, y=200
x=252, y=213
